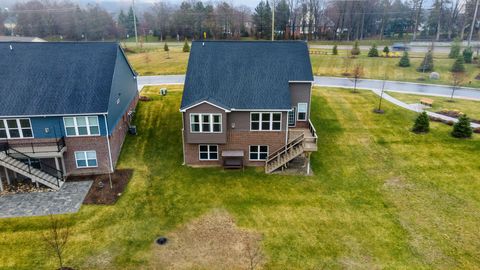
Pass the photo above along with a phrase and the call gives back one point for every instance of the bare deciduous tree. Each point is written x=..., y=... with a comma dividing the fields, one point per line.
x=56, y=238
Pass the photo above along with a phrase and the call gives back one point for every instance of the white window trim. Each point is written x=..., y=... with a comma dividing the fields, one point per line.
x=306, y=112
x=259, y=159
x=18, y=127
x=271, y=121
x=208, y=152
x=86, y=159
x=210, y=117
x=75, y=125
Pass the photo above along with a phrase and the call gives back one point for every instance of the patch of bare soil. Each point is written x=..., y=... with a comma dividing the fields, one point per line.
x=100, y=192
x=212, y=241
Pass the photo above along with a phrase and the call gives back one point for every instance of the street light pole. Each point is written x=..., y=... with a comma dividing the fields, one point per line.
x=273, y=20
x=135, y=22
x=473, y=24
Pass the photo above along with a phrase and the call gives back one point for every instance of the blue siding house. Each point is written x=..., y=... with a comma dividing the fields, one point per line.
x=65, y=109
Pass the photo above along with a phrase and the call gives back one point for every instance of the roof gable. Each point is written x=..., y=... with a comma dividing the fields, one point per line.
x=56, y=78
x=245, y=75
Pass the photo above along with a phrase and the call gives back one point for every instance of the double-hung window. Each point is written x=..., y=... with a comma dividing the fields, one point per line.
x=81, y=126
x=302, y=111
x=86, y=159
x=208, y=152
x=258, y=152
x=206, y=122
x=15, y=128
x=269, y=121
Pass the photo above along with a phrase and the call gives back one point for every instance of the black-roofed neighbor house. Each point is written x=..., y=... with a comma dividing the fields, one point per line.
x=65, y=109
x=247, y=103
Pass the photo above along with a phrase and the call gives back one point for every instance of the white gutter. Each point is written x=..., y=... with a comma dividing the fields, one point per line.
x=48, y=115
x=183, y=137
x=108, y=144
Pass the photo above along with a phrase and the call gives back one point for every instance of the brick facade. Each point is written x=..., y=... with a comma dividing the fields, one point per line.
x=238, y=140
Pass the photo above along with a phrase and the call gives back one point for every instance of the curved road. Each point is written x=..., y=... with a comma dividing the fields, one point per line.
x=373, y=85
x=404, y=87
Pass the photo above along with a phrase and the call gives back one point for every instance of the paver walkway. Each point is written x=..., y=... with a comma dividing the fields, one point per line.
x=67, y=200
x=415, y=108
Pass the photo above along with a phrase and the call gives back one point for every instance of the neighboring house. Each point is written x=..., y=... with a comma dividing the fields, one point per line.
x=247, y=103
x=64, y=109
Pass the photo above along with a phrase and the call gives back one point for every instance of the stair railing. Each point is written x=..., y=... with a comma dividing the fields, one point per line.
x=58, y=175
x=277, y=154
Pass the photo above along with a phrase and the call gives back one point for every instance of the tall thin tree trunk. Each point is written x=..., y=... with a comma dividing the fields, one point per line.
x=439, y=15
x=417, y=18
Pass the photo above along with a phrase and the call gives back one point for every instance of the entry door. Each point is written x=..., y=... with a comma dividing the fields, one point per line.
x=292, y=115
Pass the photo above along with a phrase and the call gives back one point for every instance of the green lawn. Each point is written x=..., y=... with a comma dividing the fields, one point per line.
x=152, y=60
x=381, y=197
x=470, y=107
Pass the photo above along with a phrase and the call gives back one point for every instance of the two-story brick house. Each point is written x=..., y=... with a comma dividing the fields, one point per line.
x=65, y=109
x=247, y=103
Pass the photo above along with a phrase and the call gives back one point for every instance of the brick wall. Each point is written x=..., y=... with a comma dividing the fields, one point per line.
x=118, y=135
x=238, y=140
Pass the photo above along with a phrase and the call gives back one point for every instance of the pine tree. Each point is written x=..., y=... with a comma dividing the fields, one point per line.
x=405, y=60
x=458, y=65
x=422, y=123
x=373, y=52
x=455, y=49
x=462, y=128
x=186, y=47
x=355, y=50
x=427, y=63
x=165, y=47
x=386, y=50
x=467, y=55
x=335, y=50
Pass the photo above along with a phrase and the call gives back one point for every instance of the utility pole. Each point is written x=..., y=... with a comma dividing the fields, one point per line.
x=473, y=24
x=273, y=20
x=135, y=22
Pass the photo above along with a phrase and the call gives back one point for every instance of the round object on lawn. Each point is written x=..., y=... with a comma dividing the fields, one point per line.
x=434, y=76
x=161, y=241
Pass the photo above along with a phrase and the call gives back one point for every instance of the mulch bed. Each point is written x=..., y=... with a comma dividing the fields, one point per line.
x=456, y=114
x=100, y=192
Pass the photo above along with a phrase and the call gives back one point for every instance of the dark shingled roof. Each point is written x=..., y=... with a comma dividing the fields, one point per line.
x=245, y=74
x=56, y=78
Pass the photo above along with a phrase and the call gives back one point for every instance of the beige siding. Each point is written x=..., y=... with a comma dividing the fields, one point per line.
x=217, y=138
x=300, y=93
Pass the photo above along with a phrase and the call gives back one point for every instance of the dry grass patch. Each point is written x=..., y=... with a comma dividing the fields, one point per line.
x=212, y=241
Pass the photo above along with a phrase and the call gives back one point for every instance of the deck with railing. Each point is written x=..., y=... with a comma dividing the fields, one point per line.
x=40, y=148
x=310, y=136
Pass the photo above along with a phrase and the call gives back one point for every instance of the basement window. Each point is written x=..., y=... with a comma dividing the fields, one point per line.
x=86, y=159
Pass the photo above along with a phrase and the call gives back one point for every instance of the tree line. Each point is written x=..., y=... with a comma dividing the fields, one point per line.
x=294, y=19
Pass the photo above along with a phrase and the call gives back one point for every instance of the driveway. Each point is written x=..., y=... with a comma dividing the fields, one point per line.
x=403, y=87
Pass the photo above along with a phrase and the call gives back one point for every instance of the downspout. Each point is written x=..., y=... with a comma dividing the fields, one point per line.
x=108, y=143
x=183, y=137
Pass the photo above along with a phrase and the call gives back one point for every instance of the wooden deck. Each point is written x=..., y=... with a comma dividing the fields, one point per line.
x=310, y=144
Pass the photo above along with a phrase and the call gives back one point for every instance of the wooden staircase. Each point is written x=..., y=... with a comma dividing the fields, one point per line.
x=285, y=154
x=36, y=175
x=304, y=142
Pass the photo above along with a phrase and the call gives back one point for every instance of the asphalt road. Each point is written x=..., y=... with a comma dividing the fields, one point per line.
x=403, y=87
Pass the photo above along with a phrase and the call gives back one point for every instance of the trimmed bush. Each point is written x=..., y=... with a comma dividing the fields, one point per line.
x=467, y=55
x=373, y=52
x=422, y=123
x=335, y=50
x=458, y=65
x=386, y=50
x=462, y=128
x=355, y=50
x=405, y=60
x=186, y=47
x=165, y=47
x=455, y=49
x=427, y=63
